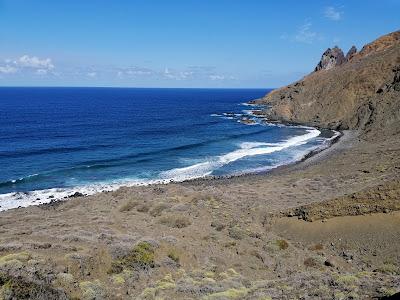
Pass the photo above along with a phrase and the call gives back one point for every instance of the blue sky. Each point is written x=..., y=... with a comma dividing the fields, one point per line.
x=179, y=43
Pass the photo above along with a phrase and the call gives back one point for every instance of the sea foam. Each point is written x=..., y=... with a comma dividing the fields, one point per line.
x=246, y=149
x=198, y=170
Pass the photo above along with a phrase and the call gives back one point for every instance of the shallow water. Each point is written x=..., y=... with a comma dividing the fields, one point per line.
x=56, y=141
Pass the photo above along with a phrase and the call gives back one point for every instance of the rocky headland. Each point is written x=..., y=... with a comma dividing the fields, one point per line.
x=357, y=92
x=325, y=228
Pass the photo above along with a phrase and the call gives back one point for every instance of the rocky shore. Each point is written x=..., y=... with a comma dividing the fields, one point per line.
x=325, y=228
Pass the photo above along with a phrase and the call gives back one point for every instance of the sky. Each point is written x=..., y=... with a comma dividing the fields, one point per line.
x=179, y=43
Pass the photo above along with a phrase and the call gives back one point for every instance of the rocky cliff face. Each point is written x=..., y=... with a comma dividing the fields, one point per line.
x=334, y=57
x=360, y=93
x=352, y=51
x=331, y=58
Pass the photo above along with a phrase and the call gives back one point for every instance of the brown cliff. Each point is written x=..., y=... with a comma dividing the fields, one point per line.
x=362, y=93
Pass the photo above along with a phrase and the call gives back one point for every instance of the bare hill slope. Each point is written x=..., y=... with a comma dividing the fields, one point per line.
x=362, y=93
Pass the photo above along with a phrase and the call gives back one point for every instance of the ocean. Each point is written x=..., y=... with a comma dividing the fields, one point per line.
x=55, y=142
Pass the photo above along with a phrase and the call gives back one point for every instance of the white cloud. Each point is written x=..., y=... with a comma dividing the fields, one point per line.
x=7, y=69
x=134, y=71
x=176, y=75
x=332, y=13
x=305, y=34
x=336, y=40
x=194, y=72
x=168, y=74
x=217, y=77
x=91, y=74
x=34, y=62
x=188, y=73
x=139, y=71
x=30, y=64
x=41, y=71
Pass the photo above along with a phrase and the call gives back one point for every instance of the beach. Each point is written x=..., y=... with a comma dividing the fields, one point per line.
x=315, y=222
x=234, y=235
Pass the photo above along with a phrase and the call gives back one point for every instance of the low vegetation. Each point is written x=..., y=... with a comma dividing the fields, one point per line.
x=175, y=221
x=140, y=257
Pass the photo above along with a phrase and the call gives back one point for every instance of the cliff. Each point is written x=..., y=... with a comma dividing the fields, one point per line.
x=330, y=59
x=360, y=91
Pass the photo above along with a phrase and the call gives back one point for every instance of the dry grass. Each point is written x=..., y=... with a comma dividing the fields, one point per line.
x=158, y=209
x=310, y=262
x=128, y=205
x=316, y=247
x=175, y=221
x=144, y=208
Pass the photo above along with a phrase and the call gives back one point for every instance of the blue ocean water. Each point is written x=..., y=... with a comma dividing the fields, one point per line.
x=56, y=141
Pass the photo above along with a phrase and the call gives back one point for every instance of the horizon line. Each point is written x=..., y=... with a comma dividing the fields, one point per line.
x=127, y=87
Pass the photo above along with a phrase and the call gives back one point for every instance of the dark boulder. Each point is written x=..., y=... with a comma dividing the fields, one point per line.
x=76, y=194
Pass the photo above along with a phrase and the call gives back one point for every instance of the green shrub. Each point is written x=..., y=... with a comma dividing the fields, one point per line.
x=282, y=244
x=172, y=254
x=140, y=257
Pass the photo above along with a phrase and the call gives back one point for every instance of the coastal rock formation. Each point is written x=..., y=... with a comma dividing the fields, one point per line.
x=352, y=51
x=361, y=94
x=241, y=237
x=331, y=58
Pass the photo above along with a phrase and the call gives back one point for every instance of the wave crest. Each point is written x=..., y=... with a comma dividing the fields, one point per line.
x=246, y=149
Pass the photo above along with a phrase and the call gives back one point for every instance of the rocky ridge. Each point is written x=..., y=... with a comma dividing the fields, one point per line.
x=330, y=59
x=248, y=237
x=360, y=93
x=334, y=57
x=352, y=51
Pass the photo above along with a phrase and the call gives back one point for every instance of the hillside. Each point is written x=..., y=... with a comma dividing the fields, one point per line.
x=361, y=93
x=327, y=227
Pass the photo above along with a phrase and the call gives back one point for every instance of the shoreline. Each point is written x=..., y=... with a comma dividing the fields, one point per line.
x=339, y=135
x=314, y=156
x=324, y=225
x=238, y=226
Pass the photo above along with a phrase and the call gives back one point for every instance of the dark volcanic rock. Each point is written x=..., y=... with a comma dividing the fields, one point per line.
x=76, y=194
x=351, y=52
x=331, y=58
x=396, y=80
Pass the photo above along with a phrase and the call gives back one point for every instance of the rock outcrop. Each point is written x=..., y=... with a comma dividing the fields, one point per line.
x=334, y=57
x=331, y=58
x=363, y=93
x=352, y=51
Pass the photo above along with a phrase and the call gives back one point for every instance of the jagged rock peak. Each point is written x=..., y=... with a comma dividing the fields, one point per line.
x=331, y=58
x=351, y=52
